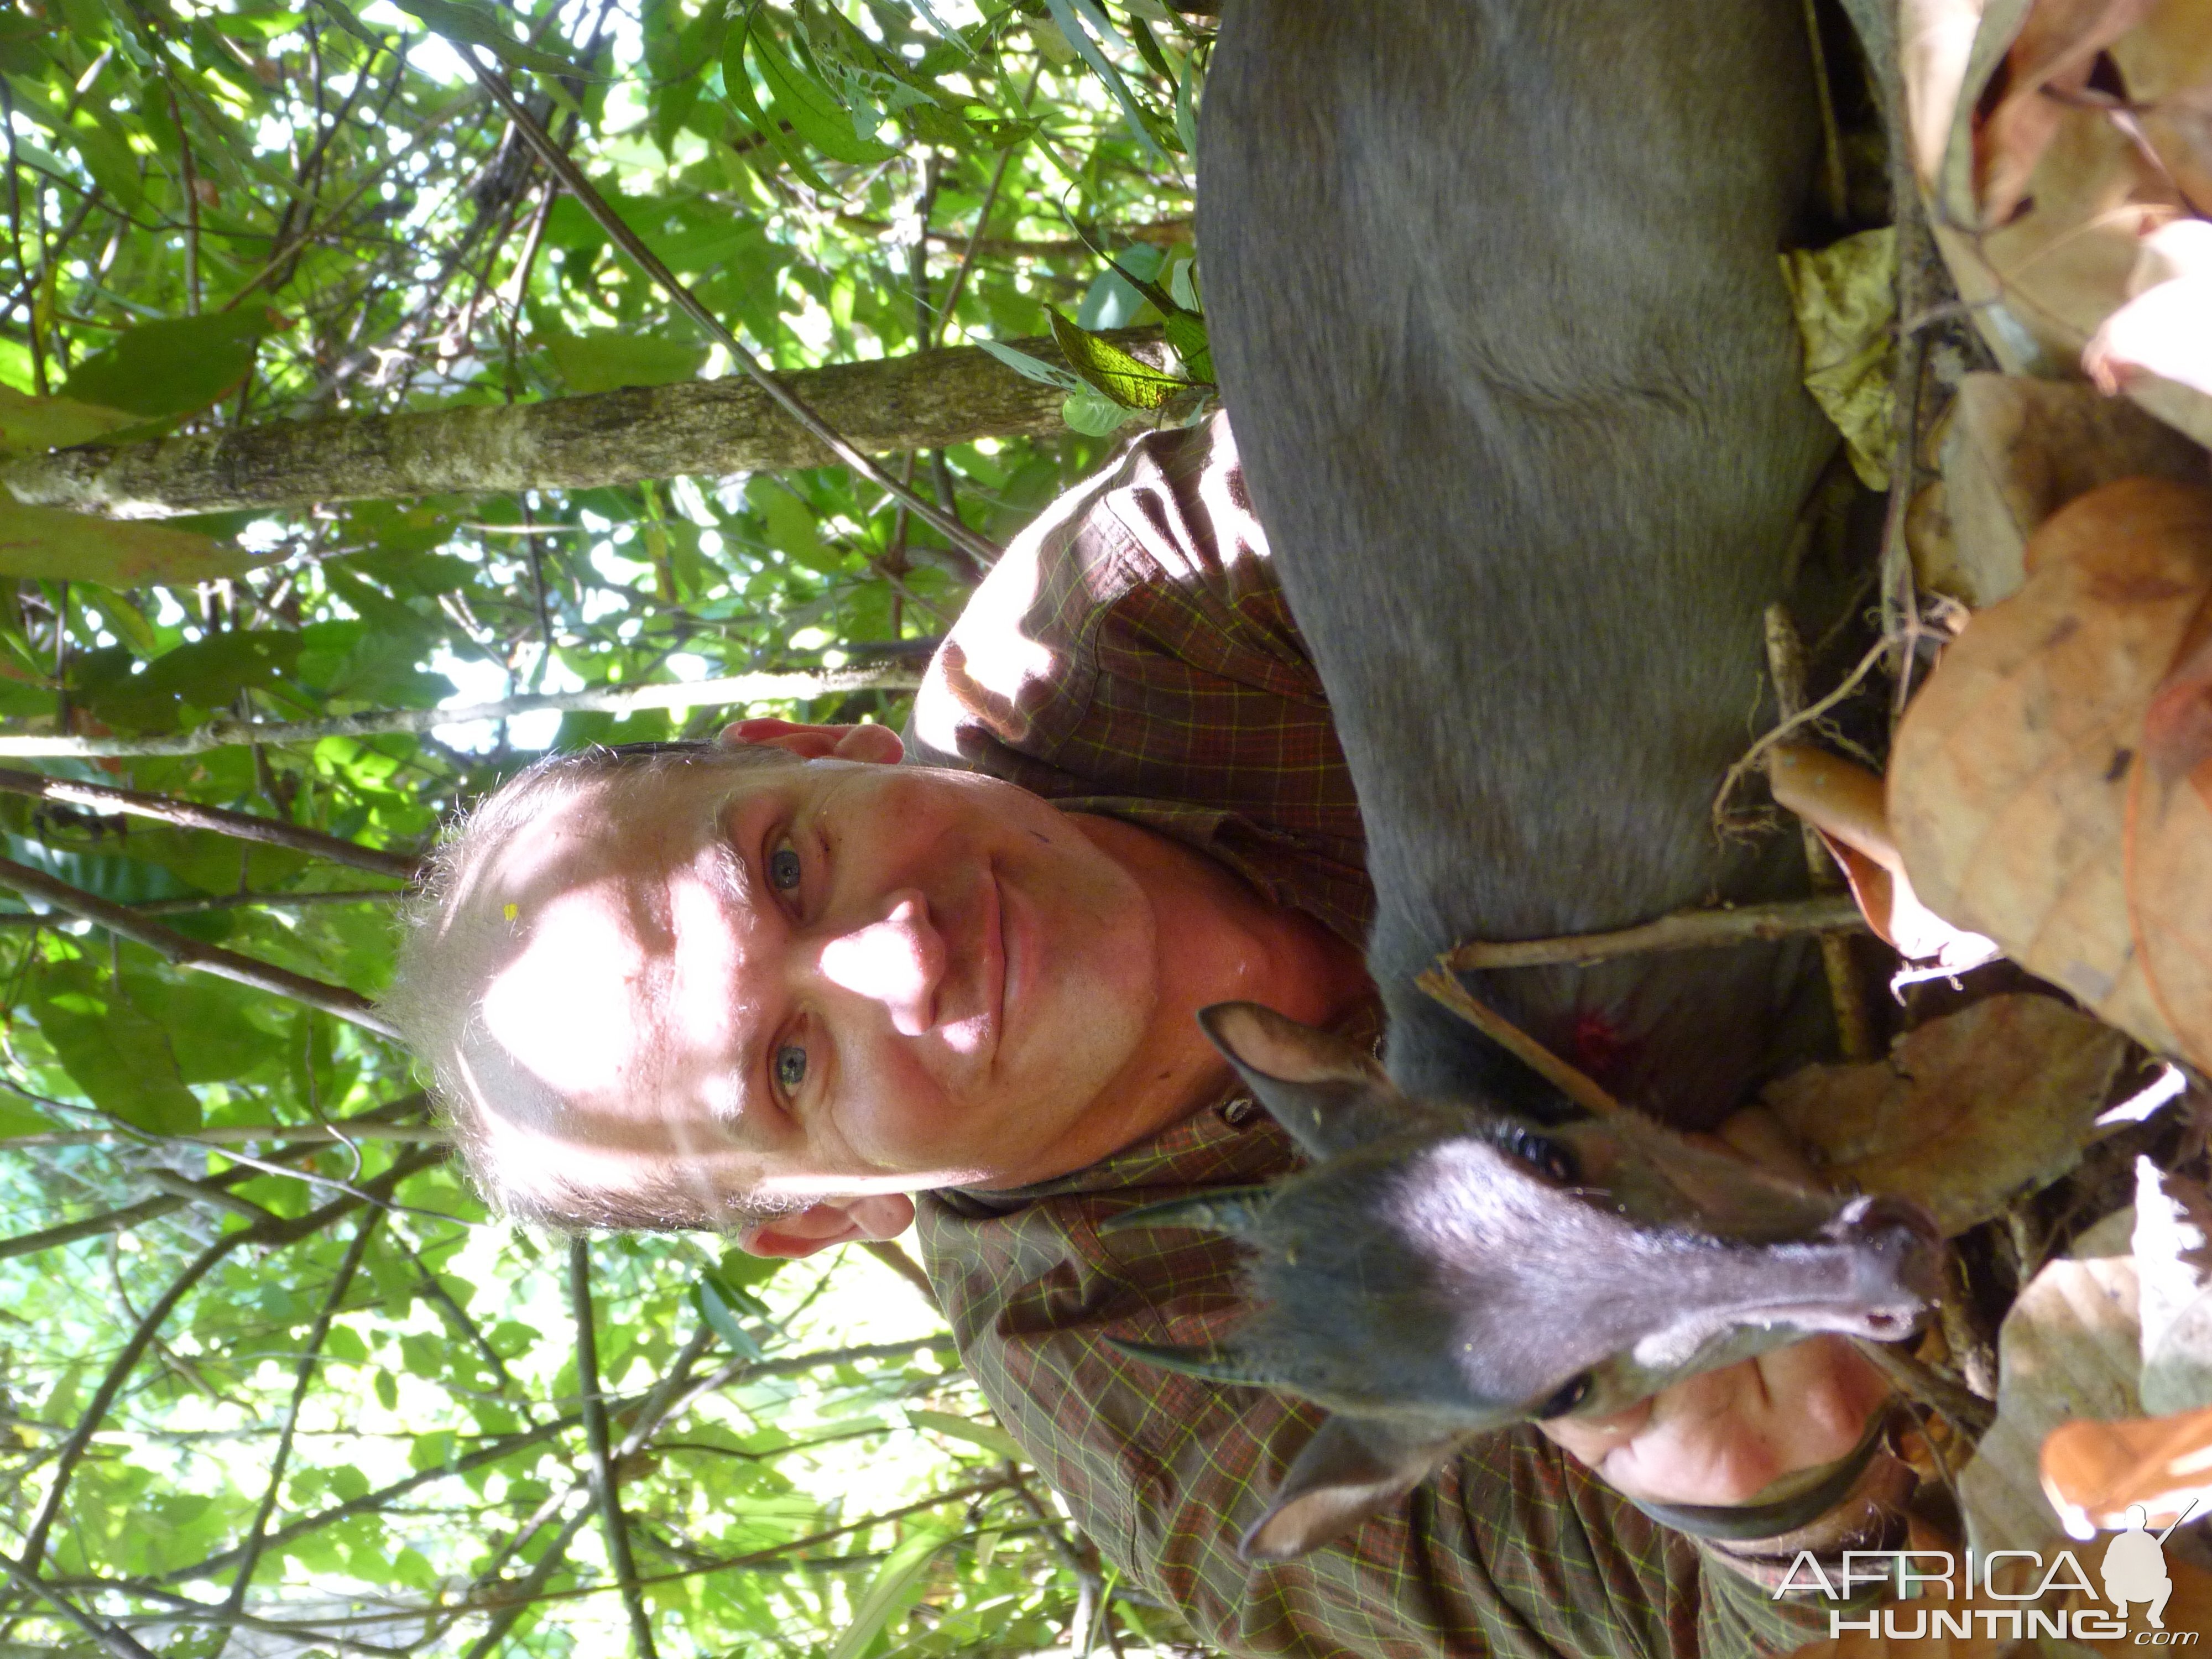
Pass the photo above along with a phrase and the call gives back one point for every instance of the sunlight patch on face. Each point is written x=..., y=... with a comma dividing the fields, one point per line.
x=567, y=1009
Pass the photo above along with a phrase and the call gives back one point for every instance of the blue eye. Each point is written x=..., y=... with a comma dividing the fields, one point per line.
x=790, y=1068
x=783, y=869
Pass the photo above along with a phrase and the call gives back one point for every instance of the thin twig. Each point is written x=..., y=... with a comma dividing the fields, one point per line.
x=238, y=1134
x=1444, y=985
x=1685, y=930
x=148, y=1209
x=192, y=815
x=693, y=694
x=118, y=1641
x=618, y=232
x=1967, y=1411
x=303, y=1379
x=1785, y=666
x=595, y=1436
x=126, y=1361
x=206, y=904
x=184, y=952
x=1755, y=756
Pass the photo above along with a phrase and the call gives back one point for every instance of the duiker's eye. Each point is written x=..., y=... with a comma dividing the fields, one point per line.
x=1547, y=1158
x=1566, y=1399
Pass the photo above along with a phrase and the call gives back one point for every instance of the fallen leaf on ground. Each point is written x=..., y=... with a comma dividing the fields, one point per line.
x=2077, y=129
x=1845, y=298
x=2019, y=449
x=2049, y=61
x=1967, y=1114
x=2093, y=1472
x=2158, y=347
x=2010, y=778
x=2069, y=1348
x=2173, y=1261
x=1842, y=800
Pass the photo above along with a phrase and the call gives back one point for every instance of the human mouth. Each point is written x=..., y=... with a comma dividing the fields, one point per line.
x=991, y=958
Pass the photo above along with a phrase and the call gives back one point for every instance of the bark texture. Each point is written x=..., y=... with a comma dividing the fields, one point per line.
x=925, y=400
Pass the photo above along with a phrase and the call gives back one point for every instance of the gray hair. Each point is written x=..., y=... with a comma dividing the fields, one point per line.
x=444, y=968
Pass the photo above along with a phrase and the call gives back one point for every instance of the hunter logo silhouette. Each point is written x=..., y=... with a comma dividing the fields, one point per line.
x=2135, y=1568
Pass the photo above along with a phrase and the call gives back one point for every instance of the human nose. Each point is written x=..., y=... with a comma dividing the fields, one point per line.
x=898, y=961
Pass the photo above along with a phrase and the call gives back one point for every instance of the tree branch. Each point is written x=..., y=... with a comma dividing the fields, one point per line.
x=185, y=951
x=191, y=815
x=209, y=903
x=148, y=1209
x=1685, y=930
x=126, y=1361
x=117, y=1641
x=922, y=400
x=693, y=694
x=302, y=1380
x=595, y=1436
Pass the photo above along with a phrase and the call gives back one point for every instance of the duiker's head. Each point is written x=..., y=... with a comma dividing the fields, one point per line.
x=1443, y=1269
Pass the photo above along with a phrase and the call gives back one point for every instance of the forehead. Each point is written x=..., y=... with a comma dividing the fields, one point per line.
x=617, y=931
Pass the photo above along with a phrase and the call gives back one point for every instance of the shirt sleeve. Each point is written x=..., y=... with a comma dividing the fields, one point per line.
x=1132, y=653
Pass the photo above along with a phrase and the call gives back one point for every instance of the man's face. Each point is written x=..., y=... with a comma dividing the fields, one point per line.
x=822, y=976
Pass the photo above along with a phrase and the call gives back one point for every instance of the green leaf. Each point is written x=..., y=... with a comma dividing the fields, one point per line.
x=480, y=25
x=1186, y=108
x=1129, y=381
x=173, y=366
x=117, y=553
x=793, y=530
x=115, y=1054
x=607, y=359
x=207, y=673
x=738, y=84
x=989, y=1436
x=1063, y=14
x=110, y=161
x=896, y=1585
x=29, y=424
x=814, y=111
x=725, y=1307
x=1185, y=333
x=1032, y=368
x=1094, y=414
x=387, y=1390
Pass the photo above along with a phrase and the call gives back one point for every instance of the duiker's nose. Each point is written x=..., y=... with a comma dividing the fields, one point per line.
x=898, y=961
x=1896, y=1245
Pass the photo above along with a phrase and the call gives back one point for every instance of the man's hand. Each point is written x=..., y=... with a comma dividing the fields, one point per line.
x=1723, y=1436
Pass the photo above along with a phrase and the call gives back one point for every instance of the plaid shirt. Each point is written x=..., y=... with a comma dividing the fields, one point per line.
x=1131, y=655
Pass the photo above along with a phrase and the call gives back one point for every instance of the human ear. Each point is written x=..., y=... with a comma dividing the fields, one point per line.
x=839, y=1221
x=877, y=744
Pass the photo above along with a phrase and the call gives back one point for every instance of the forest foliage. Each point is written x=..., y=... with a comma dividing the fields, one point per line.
x=270, y=1379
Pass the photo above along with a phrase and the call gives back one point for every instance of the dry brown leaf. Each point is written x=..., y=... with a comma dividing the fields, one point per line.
x=2040, y=210
x=2173, y=1260
x=2093, y=1473
x=1842, y=800
x=1967, y=1113
x=2018, y=450
x=2069, y=1348
x=2169, y=844
x=2050, y=58
x=2158, y=347
x=2009, y=782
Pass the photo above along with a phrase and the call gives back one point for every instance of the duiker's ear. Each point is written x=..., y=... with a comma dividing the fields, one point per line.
x=1329, y=1093
x=1348, y=1470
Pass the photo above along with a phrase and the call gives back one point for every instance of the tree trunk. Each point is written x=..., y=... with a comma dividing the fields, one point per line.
x=925, y=400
